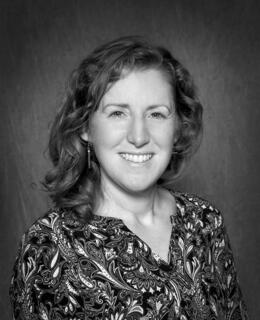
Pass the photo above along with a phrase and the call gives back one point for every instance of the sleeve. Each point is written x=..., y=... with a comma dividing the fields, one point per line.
x=230, y=298
x=40, y=289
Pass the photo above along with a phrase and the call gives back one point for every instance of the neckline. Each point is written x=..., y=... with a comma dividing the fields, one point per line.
x=155, y=255
x=171, y=217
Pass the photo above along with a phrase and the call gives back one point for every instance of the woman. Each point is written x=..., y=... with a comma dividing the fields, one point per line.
x=120, y=244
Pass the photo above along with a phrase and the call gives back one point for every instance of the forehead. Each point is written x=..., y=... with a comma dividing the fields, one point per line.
x=147, y=84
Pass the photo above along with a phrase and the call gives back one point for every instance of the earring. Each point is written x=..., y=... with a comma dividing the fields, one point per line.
x=89, y=155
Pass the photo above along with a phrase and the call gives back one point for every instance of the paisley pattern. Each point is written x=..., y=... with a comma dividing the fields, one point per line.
x=102, y=270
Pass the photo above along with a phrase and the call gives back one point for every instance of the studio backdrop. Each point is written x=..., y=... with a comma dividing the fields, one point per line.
x=218, y=41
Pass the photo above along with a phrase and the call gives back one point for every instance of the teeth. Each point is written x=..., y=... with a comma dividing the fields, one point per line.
x=136, y=158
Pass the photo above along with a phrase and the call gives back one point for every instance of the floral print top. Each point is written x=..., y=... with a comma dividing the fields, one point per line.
x=101, y=270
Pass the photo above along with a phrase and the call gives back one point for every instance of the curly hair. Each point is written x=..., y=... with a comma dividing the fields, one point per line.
x=72, y=183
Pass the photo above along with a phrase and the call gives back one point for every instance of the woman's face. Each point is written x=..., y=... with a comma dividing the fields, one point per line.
x=133, y=131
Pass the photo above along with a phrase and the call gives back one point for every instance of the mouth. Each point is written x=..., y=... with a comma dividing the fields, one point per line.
x=136, y=158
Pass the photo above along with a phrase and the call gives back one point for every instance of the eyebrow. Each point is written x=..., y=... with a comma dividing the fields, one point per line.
x=126, y=106
x=121, y=105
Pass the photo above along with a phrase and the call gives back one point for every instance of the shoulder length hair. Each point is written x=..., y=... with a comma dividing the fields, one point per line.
x=72, y=183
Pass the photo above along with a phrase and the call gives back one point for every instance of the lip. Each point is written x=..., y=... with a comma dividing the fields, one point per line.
x=136, y=153
x=136, y=157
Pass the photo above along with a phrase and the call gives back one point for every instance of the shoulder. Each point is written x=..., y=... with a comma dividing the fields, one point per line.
x=201, y=232
x=194, y=209
x=49, y=226
x=48, y=238
x=194, y=200
x=45, y=255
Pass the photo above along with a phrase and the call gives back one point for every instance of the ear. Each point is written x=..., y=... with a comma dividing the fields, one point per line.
x=85, y=136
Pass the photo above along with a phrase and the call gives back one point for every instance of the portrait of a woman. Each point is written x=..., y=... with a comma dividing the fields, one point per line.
x=120, y=242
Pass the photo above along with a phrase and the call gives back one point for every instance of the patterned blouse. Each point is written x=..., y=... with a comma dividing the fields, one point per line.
x=102, y=270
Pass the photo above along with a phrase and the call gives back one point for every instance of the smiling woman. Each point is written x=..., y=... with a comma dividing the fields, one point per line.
x=120, y=242
x=133, y=132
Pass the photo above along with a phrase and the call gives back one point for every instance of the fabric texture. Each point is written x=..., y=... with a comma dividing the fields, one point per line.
x=101, y=270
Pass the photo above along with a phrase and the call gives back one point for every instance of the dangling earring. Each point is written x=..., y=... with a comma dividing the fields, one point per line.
x=89, y=155
x=173, y=155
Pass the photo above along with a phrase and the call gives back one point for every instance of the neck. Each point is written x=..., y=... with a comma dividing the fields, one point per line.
x=132, y=207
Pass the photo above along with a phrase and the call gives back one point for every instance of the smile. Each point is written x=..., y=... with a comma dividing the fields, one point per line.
x=136, y=158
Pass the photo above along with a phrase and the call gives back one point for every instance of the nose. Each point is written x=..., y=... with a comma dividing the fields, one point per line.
x=138, y=133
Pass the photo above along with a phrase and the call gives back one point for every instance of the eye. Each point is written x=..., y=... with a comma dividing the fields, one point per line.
x=116, y=114
x=157, y=115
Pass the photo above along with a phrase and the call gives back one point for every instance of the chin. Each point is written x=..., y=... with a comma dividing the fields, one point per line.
x=135, y=188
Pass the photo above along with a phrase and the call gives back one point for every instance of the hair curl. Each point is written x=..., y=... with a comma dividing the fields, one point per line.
x=71, y=183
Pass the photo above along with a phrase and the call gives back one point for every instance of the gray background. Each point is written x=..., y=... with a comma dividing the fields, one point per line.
x=42, y=41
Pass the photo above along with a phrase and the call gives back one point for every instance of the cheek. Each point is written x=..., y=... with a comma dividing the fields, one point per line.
x=104, y=135
x=165, y=135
